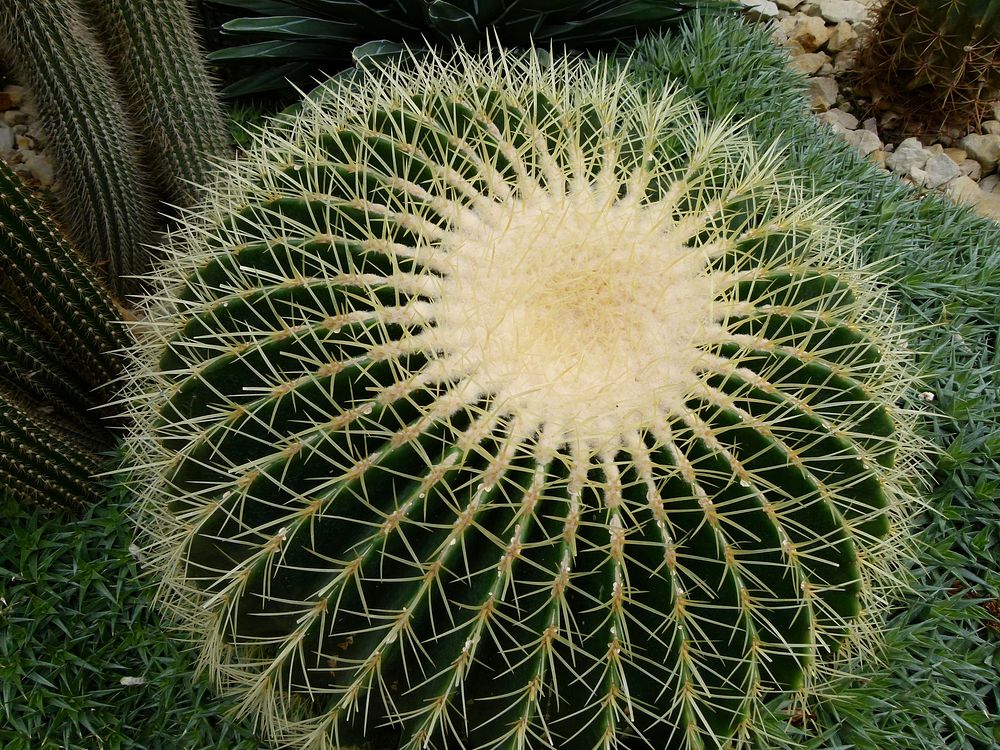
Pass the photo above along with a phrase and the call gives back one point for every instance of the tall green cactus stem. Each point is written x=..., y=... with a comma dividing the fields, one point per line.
x=163, y=75
x=57, y=292
x=940, y=58
x=104, y=202
x=495, y=405
x=43, y=461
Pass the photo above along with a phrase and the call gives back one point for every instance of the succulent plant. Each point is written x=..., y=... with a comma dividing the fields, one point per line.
x=941, y=58
x=496, y=404
x=103, y=197
x=125, y=100
x=170, y=98
x=60, y=346
x=299, y=40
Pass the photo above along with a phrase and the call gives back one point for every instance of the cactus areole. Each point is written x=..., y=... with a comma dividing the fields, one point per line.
x=496, y=405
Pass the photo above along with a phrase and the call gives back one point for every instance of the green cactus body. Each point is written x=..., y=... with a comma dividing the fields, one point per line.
x=104, y=201
x=946, y=52
x=494, y=405
x=159, y=66
x=50, y=288
x=60, y=347
x=42, y=460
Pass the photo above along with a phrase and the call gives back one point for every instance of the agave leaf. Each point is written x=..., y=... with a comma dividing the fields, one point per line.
x=272, y=79
x=264, y=7
x=452, y=21
x=377, y=50
x=296, y=27
x=285, y=50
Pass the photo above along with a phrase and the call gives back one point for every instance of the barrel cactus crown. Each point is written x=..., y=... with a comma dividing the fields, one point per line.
x=497, y=405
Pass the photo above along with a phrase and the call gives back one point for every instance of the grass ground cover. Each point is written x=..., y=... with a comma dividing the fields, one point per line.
x=75, y=619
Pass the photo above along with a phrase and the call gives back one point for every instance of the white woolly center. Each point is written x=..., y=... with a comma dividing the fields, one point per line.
x=577, y=311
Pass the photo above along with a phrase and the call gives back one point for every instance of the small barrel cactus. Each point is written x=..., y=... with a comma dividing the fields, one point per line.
x=496, y=405
x=937, y=60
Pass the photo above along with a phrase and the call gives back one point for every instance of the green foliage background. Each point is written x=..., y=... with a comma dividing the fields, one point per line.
x=75, y=616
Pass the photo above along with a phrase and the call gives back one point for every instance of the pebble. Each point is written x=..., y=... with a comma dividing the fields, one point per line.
x=839, y=120
x=760, y=10
x=843, y=37
x=989, y=184
x=809, y=31
x=809, y=62
x=940, y=170
x=839, y=11
x=40, y=168
x=907, y=156
x=6, y=139
x=866, y=142
x=15, y=117
x=983, y=148
x=991, y=127
x=823, y=93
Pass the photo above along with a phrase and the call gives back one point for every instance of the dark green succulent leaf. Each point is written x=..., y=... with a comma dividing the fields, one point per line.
x=452, y=21
x=581, y=23
x=296, y=50
x=264, y=7
x=266, y=81
x=295, y=27
x=377, y=51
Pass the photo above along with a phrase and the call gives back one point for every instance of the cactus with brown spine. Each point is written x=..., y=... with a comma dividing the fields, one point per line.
x=937, y=62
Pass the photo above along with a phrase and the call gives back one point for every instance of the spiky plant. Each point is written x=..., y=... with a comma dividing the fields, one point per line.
x=103, y=198
x=298, y=40
x=937, y=61
x=498, y=404
x=59, y=344
x=170, y=98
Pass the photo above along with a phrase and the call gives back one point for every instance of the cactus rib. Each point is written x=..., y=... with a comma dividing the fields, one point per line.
x=158, y=63
x=495, y=403
x=104, y=202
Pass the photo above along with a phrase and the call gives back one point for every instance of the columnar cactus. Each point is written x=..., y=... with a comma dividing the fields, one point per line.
x=941, y=58
x=496, y=405
x=104, y=199
x=170, y=98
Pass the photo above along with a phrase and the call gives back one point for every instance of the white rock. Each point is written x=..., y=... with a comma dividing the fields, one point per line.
x=871, y=124
x=809, y=62
x=842, y=38
x=957, y=155
x=758, y=10
x=971, y=168
x=40, y=168
x=989, y=184
x=788, y=4
x=991, y=127
x=864, y=141
x=839, y=120
x=940, y=171
x=6, y=139
x=836, y=11
x=822, y=93
x=964, y=190
x=983, y=148
x=810, y=32
x=908, y=156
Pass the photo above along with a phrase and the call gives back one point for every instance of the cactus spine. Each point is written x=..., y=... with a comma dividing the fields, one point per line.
x=104, y=200
x=170, y=97
x=944, y=55
x=58, y=341
x=496, y=405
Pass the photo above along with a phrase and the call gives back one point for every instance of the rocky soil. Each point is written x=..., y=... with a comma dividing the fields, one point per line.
x=822, y=39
